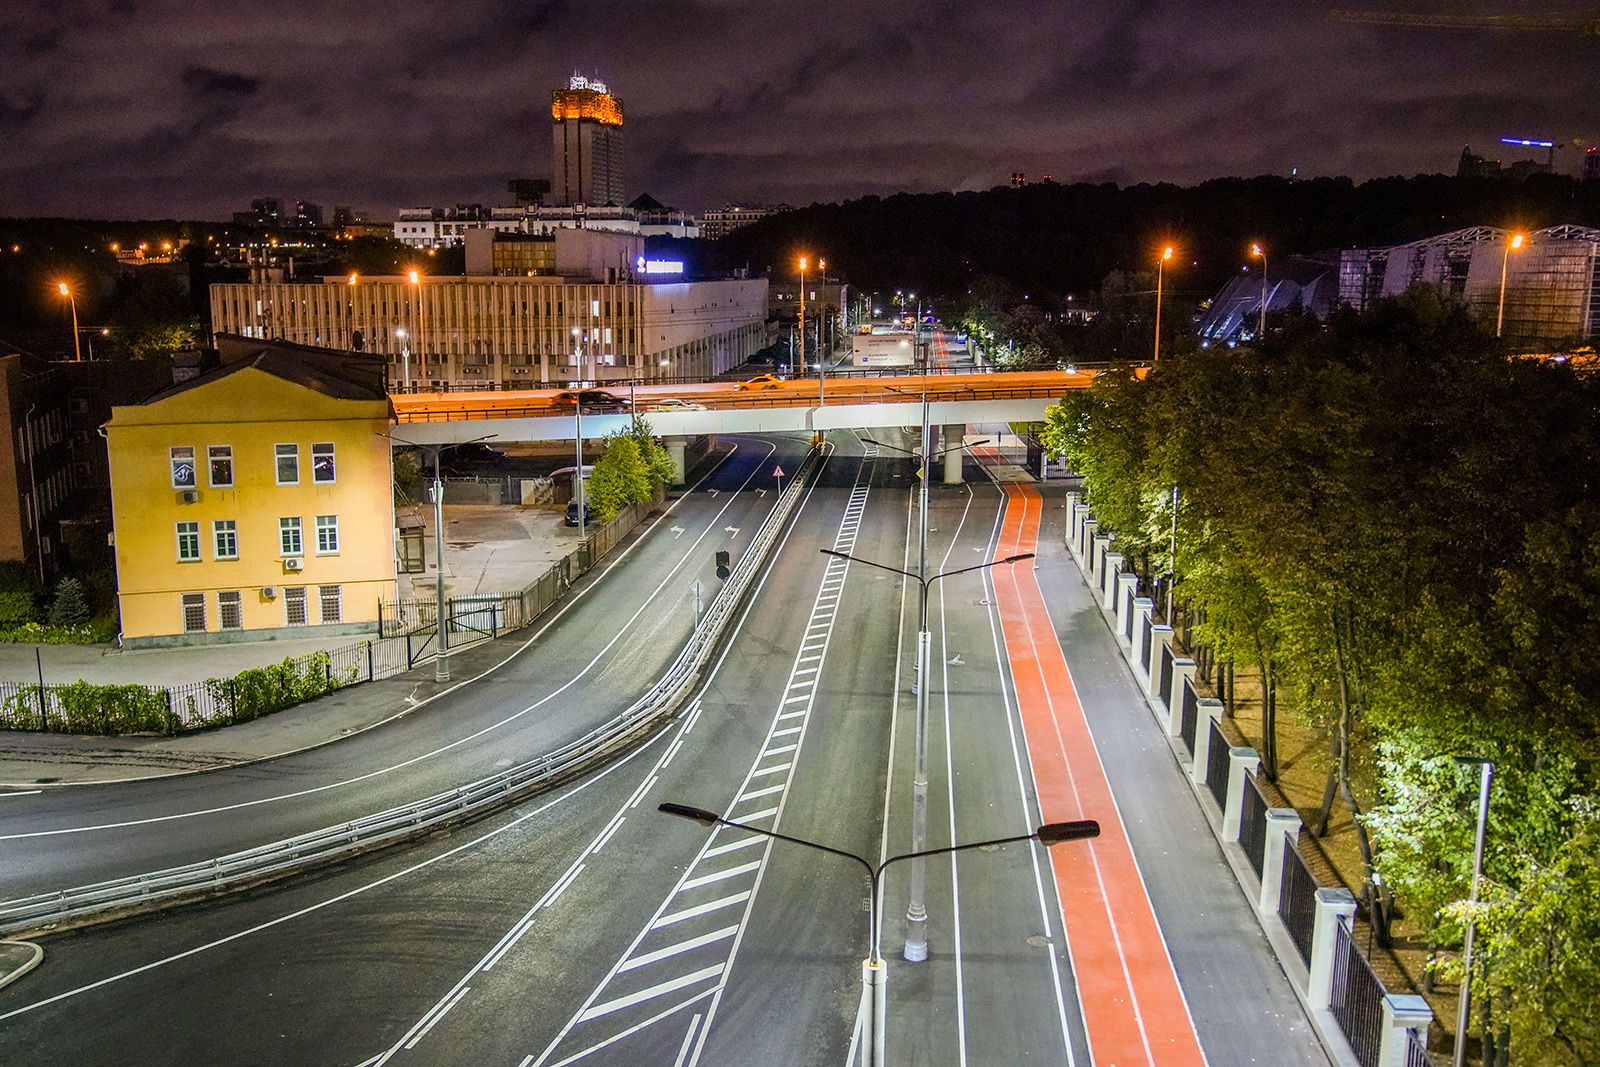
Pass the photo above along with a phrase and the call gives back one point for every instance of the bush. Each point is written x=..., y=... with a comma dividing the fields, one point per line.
x=86, y=708
x=36, y=633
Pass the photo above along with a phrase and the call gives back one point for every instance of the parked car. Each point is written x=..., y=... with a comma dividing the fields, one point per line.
x=594, y=401
x=672, y=403
x=572, y=513
x=465, y=457
x=761, y=381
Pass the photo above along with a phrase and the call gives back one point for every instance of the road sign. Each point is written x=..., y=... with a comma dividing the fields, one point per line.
x=777, y=472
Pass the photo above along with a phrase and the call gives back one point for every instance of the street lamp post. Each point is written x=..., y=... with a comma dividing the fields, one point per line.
x=1261, y=254
x=72, y=299
x=422, y=352
x=801, y=366
x=1513, y=245
x=441, y=648
x=916, y=948
x=1485, y=778
x=405, y=357
x=1161, y=263
x=874, y=970
x=577, y=432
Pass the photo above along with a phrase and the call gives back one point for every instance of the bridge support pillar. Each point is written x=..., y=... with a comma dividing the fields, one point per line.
x=951, y=437
x=675, y=449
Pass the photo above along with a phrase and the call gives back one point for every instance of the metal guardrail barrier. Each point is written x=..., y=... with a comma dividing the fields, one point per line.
x=196, y=880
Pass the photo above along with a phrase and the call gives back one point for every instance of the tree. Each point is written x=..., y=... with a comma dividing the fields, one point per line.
x=657, y=460
x=70, y=607
x=620, y=477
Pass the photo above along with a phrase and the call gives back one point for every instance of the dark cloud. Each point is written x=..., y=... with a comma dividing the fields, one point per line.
x=117, y=107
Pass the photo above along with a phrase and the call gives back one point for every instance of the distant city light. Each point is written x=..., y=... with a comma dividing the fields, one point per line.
x=659, y=266
x=1527, y=143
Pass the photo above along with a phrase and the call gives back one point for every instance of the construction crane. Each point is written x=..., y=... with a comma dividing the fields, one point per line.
x=1589, y=26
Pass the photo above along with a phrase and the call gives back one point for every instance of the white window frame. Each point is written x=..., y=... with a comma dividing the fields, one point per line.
x=289, y=599
x=174, y=457
x=223, y=606
x=290, y=524
x=213, y=454
x=281, y=453
x=184, y=531
x=327, y=524
x=316, y=450
x=229, y=527
x=338, y=603
x=196, y=601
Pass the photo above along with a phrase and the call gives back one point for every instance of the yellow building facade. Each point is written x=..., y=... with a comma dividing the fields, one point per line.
x=254, y=501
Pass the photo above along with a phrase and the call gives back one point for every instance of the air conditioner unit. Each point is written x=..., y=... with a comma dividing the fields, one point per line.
x=191, y=496
x=293, y=563
x=269, y=591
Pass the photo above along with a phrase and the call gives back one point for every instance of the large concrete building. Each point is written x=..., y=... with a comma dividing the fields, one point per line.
x=588, y=298
x=586, y=144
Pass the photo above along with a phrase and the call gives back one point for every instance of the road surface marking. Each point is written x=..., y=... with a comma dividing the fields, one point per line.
x=643, y=790
x=616, y=823
x=785, y=733
x=767, y=792
x=561, y=887
x=719, y=876
x=732, y=845
x=762, y=814
x=439, y=1013
x=681, y=946
x=683, y=1049
x=669, y=986
x=699, y=909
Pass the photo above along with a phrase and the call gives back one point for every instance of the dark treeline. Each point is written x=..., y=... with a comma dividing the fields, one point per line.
x=1049, y=240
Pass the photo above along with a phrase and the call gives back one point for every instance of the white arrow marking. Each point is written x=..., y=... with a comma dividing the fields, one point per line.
x=677, y=531
x=731, y=531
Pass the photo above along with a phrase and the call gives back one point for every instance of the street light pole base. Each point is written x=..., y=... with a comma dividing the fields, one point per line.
x=441, y=669
x=916, y=950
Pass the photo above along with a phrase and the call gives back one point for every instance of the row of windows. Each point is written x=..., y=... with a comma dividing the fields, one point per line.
x=230, y=608
x=219, y=465
x=225, y=538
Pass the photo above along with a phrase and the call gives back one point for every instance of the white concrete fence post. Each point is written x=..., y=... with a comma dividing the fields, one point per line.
x=1332, y=905
x=1160, y=638
x=1282, y=824
x=1210, y=711
x=1402, y=1013
x=1088, y=535
x=1182, y=671
x=1242, y=762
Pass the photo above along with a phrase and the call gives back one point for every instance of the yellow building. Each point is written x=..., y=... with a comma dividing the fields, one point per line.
x=255, y=501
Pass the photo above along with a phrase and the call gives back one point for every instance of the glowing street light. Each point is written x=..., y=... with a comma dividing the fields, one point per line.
x=1261, y=254
x=1166, y=255
x=802, y=363
x=1513, y=245
x=422, y=351
x=66, y=290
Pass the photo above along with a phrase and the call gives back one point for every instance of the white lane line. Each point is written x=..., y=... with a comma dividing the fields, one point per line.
x=699, y=909
x=802, y=698
x=771, y=770
x=731, y=846
x=409, y=1045
x=669, y=986
x=615, y=826
x=753, y=816
x=20, y=793
x=792, y=714
x=673, y=751
x=719, y=876
x=780, y=750
x=767, y=792
x=682, y=946
x=640, y=794
x=312, y=790
x=561, y=887
x=635, y=1028
x=786, y=732
x=683, y=1049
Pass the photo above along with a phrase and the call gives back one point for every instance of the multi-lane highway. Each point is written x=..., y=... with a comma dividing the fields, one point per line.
x=584, y=927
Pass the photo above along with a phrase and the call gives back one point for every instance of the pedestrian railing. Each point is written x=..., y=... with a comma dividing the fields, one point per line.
x=1190, y=715
x=1417, y=1050
x=1357, y=997
x=660, y=701
x=1253, y=824
x=1218, y=764
x=1297, y=899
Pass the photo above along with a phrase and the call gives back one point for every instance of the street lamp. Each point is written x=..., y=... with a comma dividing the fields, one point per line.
x=441, y=649
x=577, y=431
x=1261, y=254
x=802, y=364
x=1485, y=778
x=66, y=290
x=1166, y=254
x=916, y=949
x=874, y=971
x=405, y=357
x=1514, y=245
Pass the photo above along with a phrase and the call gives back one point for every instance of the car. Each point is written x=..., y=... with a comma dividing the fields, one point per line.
x=761, y=381
x=672, y=403
x=594, y=401
x=572, y=514
x=465, y=457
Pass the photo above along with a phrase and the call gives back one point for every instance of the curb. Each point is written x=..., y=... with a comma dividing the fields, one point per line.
x=35, y=956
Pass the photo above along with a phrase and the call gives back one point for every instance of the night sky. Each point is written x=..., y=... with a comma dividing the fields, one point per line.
x=138, y=108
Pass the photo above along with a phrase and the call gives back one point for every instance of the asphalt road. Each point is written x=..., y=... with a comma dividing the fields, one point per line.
x=586, y=927
x=511, y=700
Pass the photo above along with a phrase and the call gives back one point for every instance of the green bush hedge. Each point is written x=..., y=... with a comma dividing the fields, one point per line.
x=38, y=633
x=85, y=708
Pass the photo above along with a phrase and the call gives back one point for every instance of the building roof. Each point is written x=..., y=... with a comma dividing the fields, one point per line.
x=332, y=372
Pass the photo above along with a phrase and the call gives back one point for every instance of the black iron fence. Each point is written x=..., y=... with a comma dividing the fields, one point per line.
x=1253, y=824
x=1417, y=1050
x=1128, y=598
x=1297, y=899
x=1218, y=764
x=1167, y=656
x=1357, y=997
x=1146, y=653
x=1189, y=715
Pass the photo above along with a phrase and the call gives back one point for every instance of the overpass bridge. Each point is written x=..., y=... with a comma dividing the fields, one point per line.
x=802, y=405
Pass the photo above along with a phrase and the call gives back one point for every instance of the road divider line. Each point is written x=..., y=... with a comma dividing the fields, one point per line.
x=671, y=985
x=722, y=850
x=682, y=946
x=719, y=876
x=700, y=909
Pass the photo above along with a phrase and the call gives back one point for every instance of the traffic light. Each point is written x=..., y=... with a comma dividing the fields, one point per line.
x=722, y=565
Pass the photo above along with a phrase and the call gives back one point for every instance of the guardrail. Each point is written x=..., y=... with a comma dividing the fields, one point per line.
x=192, y=881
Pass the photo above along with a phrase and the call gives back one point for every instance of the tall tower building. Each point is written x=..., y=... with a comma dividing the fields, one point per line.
x=586, y=144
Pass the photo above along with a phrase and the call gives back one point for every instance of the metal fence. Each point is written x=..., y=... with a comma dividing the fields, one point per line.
x=1357, y=997
x=1218, y=764
x=1190, y=715
x=1145, y=651
x=1253, y=824
x=1297, y=900
x=1167, y=656
x=1127, y=613
x=1417, y=1050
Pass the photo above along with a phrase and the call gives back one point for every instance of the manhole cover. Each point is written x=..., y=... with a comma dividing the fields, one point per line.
x=1039, y=941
